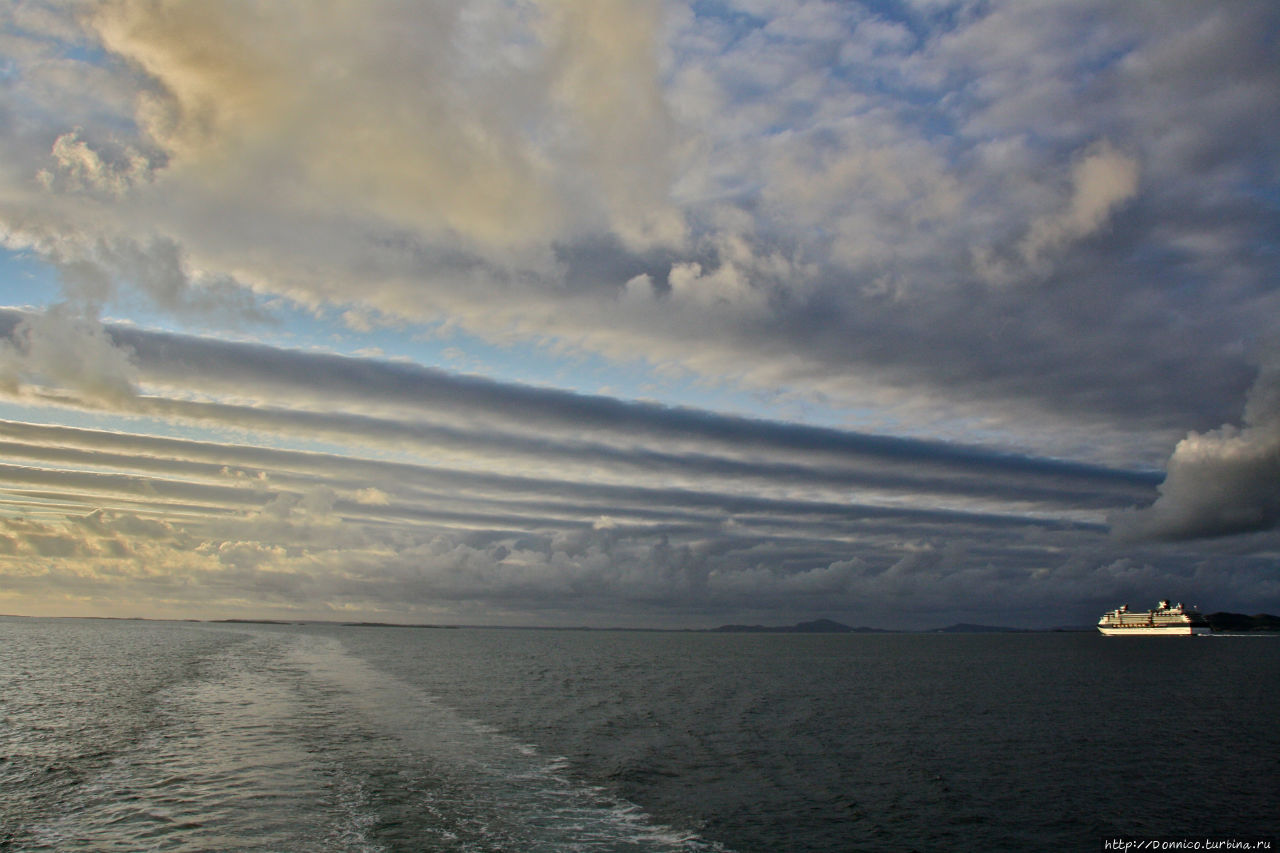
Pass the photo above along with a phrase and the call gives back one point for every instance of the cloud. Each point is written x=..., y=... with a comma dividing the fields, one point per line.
x=487, y=494
x=318, y=109
x=65, y=348
x=1219, y=483
x=372, y=496
x=400, y=402
x=604, y=61
x=990, y=239
x=83, y=168
x=802, y=188
x=1101, y=181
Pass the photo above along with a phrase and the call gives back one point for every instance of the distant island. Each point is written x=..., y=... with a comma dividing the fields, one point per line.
x=828, y=626
x=249, y=621
x=817, y=626
x=1237, y=622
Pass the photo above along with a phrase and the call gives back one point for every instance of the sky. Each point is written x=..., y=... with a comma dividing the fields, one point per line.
x=639, y=313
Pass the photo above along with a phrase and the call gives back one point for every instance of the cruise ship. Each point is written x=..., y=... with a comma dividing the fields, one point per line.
x=1170, y=620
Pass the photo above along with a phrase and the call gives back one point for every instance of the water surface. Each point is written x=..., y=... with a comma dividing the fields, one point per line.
x=180, y=736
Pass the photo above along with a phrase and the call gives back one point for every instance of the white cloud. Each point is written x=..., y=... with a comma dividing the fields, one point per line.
x=638, y=289
x=1222, y=482
x=80, y=167
x=1102, y=180
x=66, y=349
x=372, y=496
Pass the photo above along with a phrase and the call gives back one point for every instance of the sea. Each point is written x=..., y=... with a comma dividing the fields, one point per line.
x=137, y=735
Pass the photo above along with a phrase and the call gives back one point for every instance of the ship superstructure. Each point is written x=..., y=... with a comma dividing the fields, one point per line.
x=1169, y=620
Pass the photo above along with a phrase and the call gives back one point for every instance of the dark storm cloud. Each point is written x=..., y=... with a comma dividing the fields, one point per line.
x=434, y=409
x=201, y=362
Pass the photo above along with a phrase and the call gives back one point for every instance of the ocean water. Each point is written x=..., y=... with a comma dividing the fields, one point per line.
x=136, y=736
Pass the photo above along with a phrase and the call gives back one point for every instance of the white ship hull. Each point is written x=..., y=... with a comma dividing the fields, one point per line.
x=1156, y=630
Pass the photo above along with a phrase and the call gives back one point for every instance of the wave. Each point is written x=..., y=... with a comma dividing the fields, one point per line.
x=285, y=740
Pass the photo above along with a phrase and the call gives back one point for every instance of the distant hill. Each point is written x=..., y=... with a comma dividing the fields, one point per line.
x=1241, y=622
x=817, y=626
x=828, y=626
x=252, y=622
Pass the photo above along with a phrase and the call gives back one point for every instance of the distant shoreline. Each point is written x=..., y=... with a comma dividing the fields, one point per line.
x=1224, y=623
x=1219, y=622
